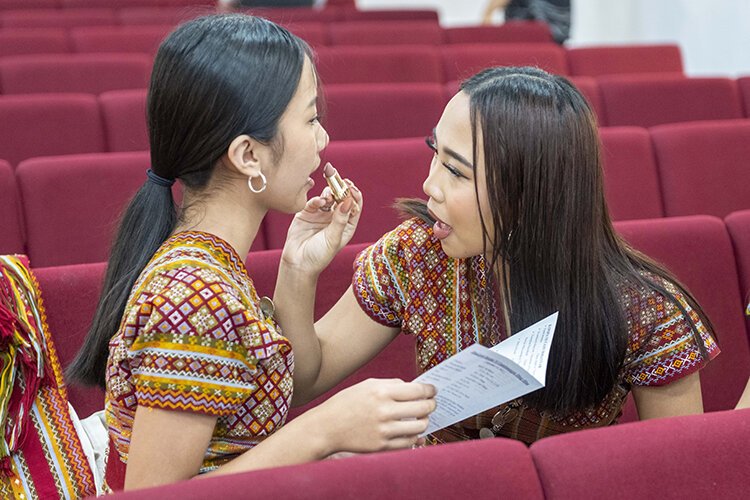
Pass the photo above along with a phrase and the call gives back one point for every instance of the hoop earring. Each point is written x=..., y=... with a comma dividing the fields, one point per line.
x=262, y=179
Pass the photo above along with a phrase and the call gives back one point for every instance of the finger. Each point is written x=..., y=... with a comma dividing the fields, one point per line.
x=410, y=391
x=414, y=409
x=313, y=204
x=335, y=230
x=406, y=428
x=400, y=443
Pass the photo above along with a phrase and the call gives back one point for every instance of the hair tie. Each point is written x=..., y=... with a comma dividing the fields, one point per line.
x=158, y=180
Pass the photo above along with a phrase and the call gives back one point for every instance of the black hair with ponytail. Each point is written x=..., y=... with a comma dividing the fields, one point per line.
x=214, y=78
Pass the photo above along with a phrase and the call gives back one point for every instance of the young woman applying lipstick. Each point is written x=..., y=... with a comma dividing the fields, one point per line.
x=197, y=372
x=516, y=228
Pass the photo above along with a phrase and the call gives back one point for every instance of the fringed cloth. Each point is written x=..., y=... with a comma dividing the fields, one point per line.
x=41, y=455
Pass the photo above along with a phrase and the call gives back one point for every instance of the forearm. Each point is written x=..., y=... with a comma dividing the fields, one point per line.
x=292, y=444
x=294, y=298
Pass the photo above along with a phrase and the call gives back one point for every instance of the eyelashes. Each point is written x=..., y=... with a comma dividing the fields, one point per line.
x=430, y=141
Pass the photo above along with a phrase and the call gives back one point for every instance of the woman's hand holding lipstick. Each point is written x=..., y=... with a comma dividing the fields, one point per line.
x=324, y=226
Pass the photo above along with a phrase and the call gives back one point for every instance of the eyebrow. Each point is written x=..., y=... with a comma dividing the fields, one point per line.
x=452, y=153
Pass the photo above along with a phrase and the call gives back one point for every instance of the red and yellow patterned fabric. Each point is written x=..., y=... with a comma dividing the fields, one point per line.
x=42, y=454
x=405, y=280
x=193, y=339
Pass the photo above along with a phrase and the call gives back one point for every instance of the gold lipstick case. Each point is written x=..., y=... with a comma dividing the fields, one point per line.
x=339, y=188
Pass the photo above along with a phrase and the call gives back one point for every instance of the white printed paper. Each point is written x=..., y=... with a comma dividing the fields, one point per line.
x=479, y=378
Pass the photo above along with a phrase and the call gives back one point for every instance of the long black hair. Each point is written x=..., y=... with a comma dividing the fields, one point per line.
x=551, y=226
x=214, y=78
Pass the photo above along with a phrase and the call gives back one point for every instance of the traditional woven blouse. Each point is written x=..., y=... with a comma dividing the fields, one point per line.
x=193, y=339
x=405, y=280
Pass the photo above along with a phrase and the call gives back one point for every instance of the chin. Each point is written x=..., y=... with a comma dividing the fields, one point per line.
x=457, y=251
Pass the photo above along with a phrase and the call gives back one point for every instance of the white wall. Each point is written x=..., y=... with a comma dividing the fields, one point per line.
x=714, y=35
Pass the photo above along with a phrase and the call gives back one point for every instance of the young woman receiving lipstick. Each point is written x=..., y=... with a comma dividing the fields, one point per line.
x=197, y=372
x=516, y=227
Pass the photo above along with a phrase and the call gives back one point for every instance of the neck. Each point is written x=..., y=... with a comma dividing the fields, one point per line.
x=224, y=216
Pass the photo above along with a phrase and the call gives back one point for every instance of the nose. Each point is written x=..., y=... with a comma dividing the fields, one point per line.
x=322, y=139
x=431, y=185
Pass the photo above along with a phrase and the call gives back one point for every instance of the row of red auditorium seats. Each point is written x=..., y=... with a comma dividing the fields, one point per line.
x=697, y=249
x=667, y=171
x=146, y=38
x=75, y=4
x=352, y=62
x=109, y=16
x=115, y=121
x=663, y=455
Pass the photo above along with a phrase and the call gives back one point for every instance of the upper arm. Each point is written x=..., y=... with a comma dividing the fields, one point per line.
x=680, y=397
x=350, y=338
x=175, y=440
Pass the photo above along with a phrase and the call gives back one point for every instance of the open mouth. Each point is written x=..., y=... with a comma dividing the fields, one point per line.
x=440, y=229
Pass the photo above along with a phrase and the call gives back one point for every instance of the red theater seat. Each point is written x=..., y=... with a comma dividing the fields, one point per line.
x=296, y=15
x=144, y=39
x=386, y=33
x=413, y=64
x=11, y=232
x=474, y=473
x=16, y=42
x=698, y=456
x=72, y=204
x=89, y=73
x=462, y=61
x=28, y=4
x=354, y=14
x=383, y=170
x=510, y=32
x=70, y=295
x=124, y=114
x=597, y=61
x=631, y=180
x=589, y=87
x=738, y=224
x=704, y=166
x=744, y=84
x=382, y=111
x=315, y=34
x=57, y=18
x=645, y=101
x=160, y=15
x=699, y=252
x=39, y=125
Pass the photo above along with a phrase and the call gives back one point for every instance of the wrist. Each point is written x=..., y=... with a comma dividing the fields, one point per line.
x=322, y=440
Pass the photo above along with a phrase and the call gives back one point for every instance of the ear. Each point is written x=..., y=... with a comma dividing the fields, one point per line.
x=246, y=154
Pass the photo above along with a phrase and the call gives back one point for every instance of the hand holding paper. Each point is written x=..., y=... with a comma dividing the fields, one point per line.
x=480, y=378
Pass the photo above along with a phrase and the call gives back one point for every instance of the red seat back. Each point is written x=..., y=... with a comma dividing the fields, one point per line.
x=631, y=180
x=386, y=33
x=509, y=32
x=33, y=41
x=11, y=229
x=474, y=473
x=589, y=87
x=47, y=124
x=463, y=61
x=70, y=295
x=744, y=85
x=72, y=204
x=699, y=252
x=738, y=224
x=124, y=114
x=165, y=15
x=704, y=166
x=57, y=18
x=674, y=455
x=382, y=111
x=413, y=64
x=597, y=61
x=645, y=101
x=144, y=39
x=88, y=73
x=314, y=33
x=354, y=14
